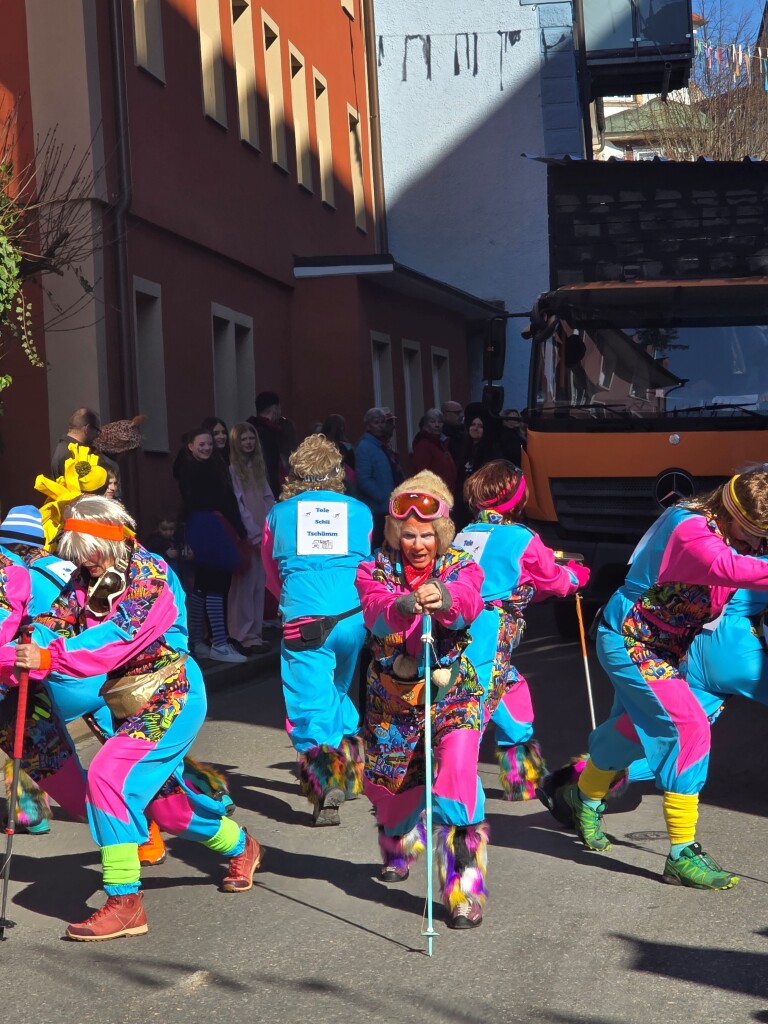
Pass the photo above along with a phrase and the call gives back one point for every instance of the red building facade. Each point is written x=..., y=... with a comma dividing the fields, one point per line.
x=225, y=138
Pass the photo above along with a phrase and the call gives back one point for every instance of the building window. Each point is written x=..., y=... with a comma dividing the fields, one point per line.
x=383, y=388
x=441, y=376
x=212, y=60
x=234, y=375
x=323, y=128
x=348, y=6
x=150, y=364
x=356, y=161
x=245, y=71
x=273, y=64
x=413, y=388
x=300, y=119
x=148, y=37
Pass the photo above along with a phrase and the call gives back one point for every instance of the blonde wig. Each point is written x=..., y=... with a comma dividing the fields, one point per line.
x=250, y=469
x=424, y=482
x=315, y=466
x=79, y=547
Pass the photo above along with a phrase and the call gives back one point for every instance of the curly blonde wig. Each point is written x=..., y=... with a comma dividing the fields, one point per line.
x=315, y=466
x=424, y=482
x=79, y=547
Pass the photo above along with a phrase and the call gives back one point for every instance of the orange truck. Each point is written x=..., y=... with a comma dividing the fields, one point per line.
x=650, y=388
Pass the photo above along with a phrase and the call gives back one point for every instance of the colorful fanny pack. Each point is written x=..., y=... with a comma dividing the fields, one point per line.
x=127, y=695
x=311, y=631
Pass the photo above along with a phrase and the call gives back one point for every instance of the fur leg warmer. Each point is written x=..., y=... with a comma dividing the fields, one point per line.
x=209, y=781
x=521, y=769
x=321, y=769
x=32, y=807
x=462, y=857
x=353, y=750
x=401, y=851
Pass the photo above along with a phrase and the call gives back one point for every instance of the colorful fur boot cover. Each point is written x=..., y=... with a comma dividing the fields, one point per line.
x=32, y=808
x=322, y=769
x=208, y=780
x=399, y=852
x=521, y=769
x=352, y=748
x=462, y=857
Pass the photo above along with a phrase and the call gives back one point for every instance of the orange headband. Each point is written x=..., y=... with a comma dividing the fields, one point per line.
x=107, y=531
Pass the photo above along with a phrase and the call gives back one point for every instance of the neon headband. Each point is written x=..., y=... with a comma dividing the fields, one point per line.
x=106, y=531
x=502, y=503
x=737, y=512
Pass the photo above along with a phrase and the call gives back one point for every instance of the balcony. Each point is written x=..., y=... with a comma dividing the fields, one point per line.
x=635, y=46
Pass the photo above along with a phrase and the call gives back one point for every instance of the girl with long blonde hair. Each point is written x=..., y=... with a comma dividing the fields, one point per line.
x=254, y=499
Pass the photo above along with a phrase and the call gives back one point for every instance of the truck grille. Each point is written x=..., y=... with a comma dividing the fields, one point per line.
x=616, y=507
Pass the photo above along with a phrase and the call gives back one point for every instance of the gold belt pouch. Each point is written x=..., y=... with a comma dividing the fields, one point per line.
x=127, y=695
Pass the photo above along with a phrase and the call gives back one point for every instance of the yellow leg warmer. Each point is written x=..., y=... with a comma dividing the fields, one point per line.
x=681, y=812
x=226, y=839
x=595, y=782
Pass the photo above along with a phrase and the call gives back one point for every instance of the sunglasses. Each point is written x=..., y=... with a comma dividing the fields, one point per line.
x=425, y=506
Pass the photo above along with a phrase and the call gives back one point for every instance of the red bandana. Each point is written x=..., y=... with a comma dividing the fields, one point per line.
x=415, y=577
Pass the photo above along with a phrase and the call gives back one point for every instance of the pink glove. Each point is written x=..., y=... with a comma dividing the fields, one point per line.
x=581, y=572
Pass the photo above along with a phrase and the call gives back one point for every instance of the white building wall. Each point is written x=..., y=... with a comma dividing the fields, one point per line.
x=462, y=96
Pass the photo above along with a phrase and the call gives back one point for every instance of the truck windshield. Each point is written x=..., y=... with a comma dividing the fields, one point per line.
x=652, y=372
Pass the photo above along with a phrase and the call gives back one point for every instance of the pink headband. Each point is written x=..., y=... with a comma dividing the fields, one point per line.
x=501, y=503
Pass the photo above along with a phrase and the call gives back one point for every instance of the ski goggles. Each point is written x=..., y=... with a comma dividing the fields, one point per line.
x=424, y=506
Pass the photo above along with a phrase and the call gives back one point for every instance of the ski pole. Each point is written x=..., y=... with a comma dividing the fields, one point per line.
x=583, y=638
x=18, y=746
x=426, y=637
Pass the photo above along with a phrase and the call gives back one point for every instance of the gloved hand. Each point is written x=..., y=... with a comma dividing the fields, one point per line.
x=581, y=572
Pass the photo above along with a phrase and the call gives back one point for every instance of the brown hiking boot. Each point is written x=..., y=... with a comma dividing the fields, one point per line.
x=243, y=867
x=120, y=915
x=153, y=851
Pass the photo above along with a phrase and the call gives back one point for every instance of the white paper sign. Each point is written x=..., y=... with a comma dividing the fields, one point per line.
x=321, y=528
x=473, y=542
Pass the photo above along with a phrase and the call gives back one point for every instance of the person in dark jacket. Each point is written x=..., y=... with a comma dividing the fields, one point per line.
x=273, y=430
x=212, y=516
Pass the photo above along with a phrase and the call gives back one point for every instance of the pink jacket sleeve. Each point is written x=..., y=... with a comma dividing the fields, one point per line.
x=538, y=567
x=146, y=611
x=274, y=584
x=381, y=615
x=14, y=597
x=694, y=554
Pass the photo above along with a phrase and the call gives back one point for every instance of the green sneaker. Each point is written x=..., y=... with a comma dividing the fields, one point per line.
x=586, y=820
x=697, y=870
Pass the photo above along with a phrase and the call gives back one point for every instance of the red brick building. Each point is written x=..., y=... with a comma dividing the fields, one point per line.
x=226, y=139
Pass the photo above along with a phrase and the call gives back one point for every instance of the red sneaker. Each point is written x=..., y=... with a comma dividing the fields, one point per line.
x=120, y=915
x=153, y=851
x=243, y=867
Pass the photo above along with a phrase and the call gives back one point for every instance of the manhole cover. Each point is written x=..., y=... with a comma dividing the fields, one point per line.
x=644, y=837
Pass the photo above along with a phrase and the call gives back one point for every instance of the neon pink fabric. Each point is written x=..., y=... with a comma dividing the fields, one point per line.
x=538, y=566
x=108, y=771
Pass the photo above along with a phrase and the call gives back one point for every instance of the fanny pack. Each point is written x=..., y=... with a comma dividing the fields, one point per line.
x=311, y=631
x=127, y=695
x=412, y=690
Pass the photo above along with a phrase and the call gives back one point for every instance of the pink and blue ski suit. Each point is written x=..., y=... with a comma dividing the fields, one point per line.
x=646, y=630
x=518, y=568
x=393, y=728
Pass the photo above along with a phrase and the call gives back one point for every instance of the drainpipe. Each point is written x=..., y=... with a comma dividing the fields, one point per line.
x=120, y=208
x=374, y=120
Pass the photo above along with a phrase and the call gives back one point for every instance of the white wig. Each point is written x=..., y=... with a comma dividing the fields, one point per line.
x=79, y=547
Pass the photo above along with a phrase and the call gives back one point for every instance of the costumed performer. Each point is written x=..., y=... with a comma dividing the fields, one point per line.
x=518, y=568
x=645, y=631
x=123, y=614
x=313, y=541
x=417, y=571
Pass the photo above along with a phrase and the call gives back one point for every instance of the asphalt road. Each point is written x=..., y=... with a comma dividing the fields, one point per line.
x=568, y=937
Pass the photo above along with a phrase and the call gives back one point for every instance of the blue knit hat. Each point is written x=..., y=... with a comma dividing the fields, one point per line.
x=23, y=525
